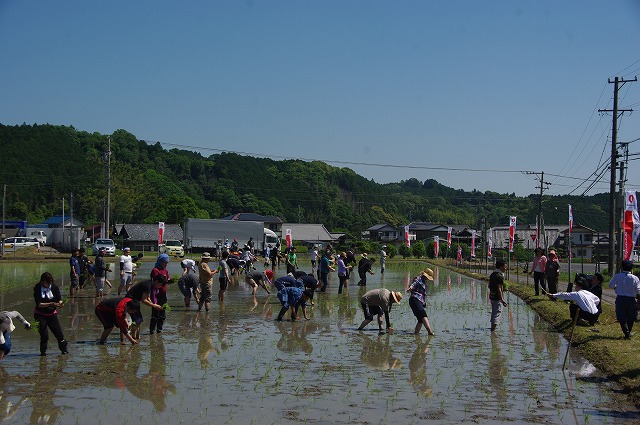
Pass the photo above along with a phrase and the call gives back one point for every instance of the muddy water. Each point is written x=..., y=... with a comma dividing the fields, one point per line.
x=237, y=365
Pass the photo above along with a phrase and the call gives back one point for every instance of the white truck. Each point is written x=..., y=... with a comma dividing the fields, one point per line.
x=40, y=235
x=204, y=234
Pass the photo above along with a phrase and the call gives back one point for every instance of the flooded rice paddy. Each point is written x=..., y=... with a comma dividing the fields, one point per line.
x=236, y=364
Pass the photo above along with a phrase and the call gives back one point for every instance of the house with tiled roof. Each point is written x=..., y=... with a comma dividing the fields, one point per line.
x=309, y=234
x=144, y=237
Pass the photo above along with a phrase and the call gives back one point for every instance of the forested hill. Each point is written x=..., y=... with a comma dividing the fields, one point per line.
x=42, y=164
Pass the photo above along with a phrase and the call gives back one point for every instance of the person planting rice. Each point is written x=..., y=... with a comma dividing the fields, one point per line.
x=378, y=302
x=189, y=285
x=287, y=281
x=293, y=298
x=6, y=327
x=113, y=312
x=418, y=300
x=141, y=292
x=263, y=279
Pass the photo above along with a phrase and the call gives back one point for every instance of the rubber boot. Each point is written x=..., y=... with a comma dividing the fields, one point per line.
x=283, y=310
x=62, y=345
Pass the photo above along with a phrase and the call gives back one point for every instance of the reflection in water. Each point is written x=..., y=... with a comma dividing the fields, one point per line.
x=8, y=408
x=377, y=353
x=498, y=371
x=43, y=392
x=293, y=337
x=205, y=340
x=418, y=367
x=115, y=384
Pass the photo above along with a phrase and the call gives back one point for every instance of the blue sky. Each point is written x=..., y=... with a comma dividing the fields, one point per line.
x=424, y=89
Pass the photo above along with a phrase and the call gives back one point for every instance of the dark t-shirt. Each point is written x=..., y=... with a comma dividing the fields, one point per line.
x=138, y=290
x=496, y=279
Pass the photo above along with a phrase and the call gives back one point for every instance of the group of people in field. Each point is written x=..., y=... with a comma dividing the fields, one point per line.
x=295, y=292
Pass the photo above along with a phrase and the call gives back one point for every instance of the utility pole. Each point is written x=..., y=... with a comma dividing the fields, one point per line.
x=618, y=83
x=107, y=159
x=541, y=234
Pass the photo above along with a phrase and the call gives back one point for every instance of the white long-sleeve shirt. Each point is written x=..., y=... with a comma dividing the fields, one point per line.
x=583, y=299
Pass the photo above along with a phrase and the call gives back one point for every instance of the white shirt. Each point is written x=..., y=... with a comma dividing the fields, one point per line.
x=126, y=263
x=314, y=255
x=189, y=264
x=583, y=299
x=625, y=284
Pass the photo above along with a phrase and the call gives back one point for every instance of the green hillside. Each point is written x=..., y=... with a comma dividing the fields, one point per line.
x=42, y=164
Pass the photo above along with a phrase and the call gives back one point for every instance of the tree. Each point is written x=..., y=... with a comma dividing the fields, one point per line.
x=419, y=249
x=405, y=251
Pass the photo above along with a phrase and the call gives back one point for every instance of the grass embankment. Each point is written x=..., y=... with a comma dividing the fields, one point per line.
x=603, y=344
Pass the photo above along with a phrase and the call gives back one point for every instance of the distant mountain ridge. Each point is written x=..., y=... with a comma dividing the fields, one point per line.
x=42, y=164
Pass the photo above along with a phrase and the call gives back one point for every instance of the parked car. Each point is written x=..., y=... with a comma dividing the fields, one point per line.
x=19, y=242
x=172, y=247
x=109, y=246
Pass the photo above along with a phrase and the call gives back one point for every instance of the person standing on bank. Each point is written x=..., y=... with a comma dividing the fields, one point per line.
x=552, y=272
x=47, y=297
x=418, y=300
x=627, y=287
x=496, y=284
x=538, y=270
x=378, y=302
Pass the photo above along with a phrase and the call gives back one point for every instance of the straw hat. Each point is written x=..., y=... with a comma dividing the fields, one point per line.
x=428, y=273
x=206, y=255
x=364, y=255
x=397, y=297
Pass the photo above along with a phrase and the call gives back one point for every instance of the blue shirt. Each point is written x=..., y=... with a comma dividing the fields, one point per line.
x=419, y=290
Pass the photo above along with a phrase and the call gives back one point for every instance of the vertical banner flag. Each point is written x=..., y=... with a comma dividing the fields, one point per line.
x=473, y=243
x=570, y=219
x=406, y=236
x=160, y=232
x=630, y=224
x=459, y=254
x=449, y=229
x=436, y=245
x=288, y=238
x=490, y=245
x=512, y=232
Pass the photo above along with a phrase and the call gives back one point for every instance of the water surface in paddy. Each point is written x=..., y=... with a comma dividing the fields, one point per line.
x=237, y=365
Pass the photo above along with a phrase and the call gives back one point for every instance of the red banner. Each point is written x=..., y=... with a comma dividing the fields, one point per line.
x=512, y=232
x=160, y=232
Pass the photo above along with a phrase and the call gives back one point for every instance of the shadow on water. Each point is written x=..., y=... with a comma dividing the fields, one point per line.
x=235, y=363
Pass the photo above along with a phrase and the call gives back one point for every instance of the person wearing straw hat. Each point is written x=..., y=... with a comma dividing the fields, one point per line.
x=206, y=281
x=378, y=302
x=418, y=300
